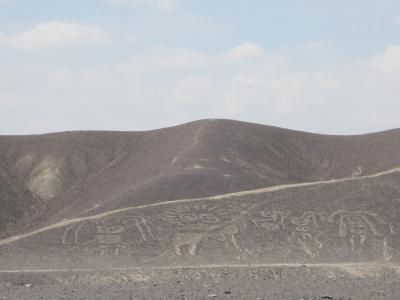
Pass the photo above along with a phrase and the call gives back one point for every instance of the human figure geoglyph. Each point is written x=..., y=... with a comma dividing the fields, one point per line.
x=307, y=232
x=107, y=238
x=359, y=227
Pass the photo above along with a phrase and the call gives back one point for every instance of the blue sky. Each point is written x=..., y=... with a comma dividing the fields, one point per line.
x=322, y=66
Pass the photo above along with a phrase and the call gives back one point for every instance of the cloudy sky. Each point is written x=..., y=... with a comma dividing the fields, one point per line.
x=321, y=66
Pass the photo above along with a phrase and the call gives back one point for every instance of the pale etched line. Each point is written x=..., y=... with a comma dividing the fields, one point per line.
x=76, y=236
x=104, y=168
x=65, y=234
x=218, y=197
x=139, y=226
x=196, y=141
x=174, y=160
x=83, y=244
x=386, y=252
x=87, y=210
x=112, y=163
x=150, y=233
x=366, y=265
x=200, y=235
x=45, y=271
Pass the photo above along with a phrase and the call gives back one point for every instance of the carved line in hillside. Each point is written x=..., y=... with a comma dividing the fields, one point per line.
x=107, y=237
x=361, y=267
x=219, y=197
x=196, y=140
x=111, y=163
x=304, y=232
x=302, y=240
x=190, y=228
x=197, y=223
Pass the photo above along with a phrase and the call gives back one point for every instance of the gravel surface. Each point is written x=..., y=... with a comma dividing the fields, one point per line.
x=300, y=283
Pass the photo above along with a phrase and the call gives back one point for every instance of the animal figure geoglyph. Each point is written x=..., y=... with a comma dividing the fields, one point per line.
x=196, y=224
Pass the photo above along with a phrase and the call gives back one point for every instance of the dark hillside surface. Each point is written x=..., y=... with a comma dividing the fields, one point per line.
x=213, y=209
x=47, y=178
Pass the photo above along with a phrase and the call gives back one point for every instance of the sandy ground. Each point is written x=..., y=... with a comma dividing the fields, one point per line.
x=294, y=283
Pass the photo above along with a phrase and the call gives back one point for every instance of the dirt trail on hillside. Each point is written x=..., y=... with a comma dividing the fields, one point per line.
x=218, y=197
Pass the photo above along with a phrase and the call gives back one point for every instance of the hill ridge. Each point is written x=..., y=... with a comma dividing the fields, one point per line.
x=102, y=131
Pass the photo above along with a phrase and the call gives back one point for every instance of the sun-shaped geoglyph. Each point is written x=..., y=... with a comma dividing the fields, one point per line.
x=205, y=214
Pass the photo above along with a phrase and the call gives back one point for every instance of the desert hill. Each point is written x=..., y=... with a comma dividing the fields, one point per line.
x=212, y=208
x=47, y=178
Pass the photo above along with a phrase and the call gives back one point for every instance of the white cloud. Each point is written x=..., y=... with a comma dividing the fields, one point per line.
x=389, y=61
x=54, y=34
x=168, y=86
x=244, y=51
x=160, y=5
x=171, y=59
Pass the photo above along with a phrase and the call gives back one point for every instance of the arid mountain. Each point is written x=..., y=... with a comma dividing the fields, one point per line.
x=250, y=211
x=47, y=178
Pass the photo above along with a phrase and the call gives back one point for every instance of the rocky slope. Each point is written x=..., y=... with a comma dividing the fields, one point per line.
x=46, y=178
